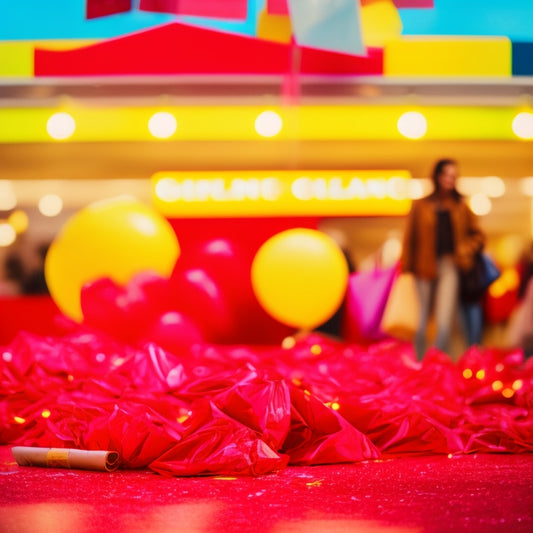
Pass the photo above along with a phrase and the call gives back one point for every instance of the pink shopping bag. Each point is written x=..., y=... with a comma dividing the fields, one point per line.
x=401, y=317
x=366, y=298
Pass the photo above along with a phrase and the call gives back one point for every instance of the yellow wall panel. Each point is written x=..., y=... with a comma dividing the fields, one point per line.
x=443, y=56
x=274, y=27
x=16, y=59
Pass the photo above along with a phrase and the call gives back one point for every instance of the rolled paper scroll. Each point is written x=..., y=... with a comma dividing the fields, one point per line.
x=105, y=461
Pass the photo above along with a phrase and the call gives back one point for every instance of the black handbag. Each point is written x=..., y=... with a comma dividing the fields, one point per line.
x=474, y=282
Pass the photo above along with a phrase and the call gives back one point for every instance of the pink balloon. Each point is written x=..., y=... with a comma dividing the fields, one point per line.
x=174, y=332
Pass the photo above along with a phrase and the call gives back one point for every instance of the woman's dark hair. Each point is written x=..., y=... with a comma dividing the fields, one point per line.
x=437, y=171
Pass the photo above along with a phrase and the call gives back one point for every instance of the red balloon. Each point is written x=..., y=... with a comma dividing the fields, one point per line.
x=174, y=332
x=499, y=309
x=125, y=312
x=105, y=306
x=225, y=261
x=195, y=293
x=152, y=289
x=227, y=264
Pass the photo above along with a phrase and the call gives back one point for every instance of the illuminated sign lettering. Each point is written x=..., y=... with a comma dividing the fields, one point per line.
x=281, y=193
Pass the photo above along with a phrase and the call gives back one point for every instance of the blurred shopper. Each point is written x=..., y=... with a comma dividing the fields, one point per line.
x=441, y=238
x=333, y=326
x=525, y=270
x=35, y=282
x=519, y=331
x=520, y=327
x=14, y=273
x=472, y=321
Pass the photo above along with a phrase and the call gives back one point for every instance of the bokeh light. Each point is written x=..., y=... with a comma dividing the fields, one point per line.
x=61, y=126
x=50, y=205
x=391, y=250
x=508, y=250
x=288, y=343
x=417, y=188
x=162, y=125
x=523, y=125
x=268, y=124
x=7, y=234
x=412, y=125
x=480, y=204
x=526, y=185
x=517, y=384
x=493, y=186
x=497, y=385
x=508, y=281
x=8, y=200
x=19, y=220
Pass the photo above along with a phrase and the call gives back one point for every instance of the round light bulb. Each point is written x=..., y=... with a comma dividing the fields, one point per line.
x=7, y=234
x=60, y=126
x=523, y=125
x=412, y=125
x=268, y=124
x=480, y=204
x=162, y=125
x=50, y=205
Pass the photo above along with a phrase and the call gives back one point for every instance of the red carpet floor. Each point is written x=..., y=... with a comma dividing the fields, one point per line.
x=475, y=493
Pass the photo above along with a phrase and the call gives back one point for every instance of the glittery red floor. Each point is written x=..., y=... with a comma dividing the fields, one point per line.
x=475, y=493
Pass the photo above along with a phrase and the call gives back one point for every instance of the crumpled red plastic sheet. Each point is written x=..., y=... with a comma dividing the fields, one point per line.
x=251, y=410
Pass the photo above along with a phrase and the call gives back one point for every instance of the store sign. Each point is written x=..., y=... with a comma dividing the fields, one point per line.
x=282, y=193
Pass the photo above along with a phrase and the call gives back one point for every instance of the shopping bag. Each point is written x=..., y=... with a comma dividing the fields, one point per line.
x=490, y=271
x=366, y=296
x=519, y=330
x=474, y=282
x=401, y=316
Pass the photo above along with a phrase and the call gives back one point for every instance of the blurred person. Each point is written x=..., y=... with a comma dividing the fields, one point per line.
x=472, y=321
x=520, y=327
x=14, y=275
x=441, y=237
x=333, y=326
x=519, y=331
x=35, y=282
x=525, y=269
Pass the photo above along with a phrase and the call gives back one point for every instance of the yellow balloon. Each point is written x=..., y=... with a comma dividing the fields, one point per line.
x=299, y=277
x=114, y=238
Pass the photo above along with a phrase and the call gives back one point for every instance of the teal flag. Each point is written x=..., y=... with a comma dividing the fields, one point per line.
x=333, y=25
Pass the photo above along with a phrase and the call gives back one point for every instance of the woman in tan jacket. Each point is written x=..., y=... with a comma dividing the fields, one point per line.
x=441, y=238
